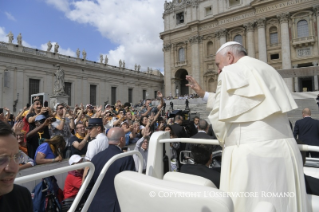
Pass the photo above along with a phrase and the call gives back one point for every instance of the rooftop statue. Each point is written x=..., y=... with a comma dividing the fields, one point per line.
x=84, y=54
x=49, y=46
x=19, y=39
x=78, y=53
x=123, y=64
x=101, y=58
x=120, y=63
x=106, y=59
x=56, y=48
x=10, y=37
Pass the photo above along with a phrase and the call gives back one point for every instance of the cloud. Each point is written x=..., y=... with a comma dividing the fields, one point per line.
x=132, y=24
x=9, y=16
x=62, y=5
x=63, y=51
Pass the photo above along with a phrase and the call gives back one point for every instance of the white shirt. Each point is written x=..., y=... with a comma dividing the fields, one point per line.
x=97, y=145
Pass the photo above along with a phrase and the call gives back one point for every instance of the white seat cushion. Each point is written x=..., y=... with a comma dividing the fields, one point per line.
x=138, y=192
x=188, y=178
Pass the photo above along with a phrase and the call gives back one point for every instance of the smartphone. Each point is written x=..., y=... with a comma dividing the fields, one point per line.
x=53, y=120
x=1, y=110
x=46, y=104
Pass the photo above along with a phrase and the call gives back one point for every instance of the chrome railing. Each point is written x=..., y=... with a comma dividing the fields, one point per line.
x=61, y=170
x=104, y=170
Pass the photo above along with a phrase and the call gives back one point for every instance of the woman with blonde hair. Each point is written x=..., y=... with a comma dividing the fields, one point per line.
x=50, y=150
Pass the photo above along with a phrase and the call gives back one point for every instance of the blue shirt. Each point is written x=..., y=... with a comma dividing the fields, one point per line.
x=45, y=149
x=127, y=138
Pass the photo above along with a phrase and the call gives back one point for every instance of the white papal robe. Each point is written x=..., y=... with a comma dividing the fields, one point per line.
x=260, y=153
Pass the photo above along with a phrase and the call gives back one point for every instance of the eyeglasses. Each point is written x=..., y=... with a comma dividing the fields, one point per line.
x=60, y=108
x=5, y=159
x=19, y=135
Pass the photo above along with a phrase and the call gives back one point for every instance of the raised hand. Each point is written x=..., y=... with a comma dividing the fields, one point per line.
x=17, y=127
x=193, y=84
x=159, y=94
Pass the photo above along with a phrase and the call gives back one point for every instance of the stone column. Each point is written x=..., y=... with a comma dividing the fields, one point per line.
x=285, y=46
x=315, y=78
x=222, y=37
x=195, y=41
x=316, y=9
x=221, y=6
x=296, y=81
x=262, y=40
x=167, y=68
x=250, y=38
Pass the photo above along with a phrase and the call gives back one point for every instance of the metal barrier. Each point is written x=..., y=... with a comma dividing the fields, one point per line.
x=40, y=175
x=104, y=170
x=307, y=148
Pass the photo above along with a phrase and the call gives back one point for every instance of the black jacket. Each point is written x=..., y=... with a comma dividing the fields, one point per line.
x=202, y=135
x=202, y=171
x=178, y=131
x=105, y=198
x=307, y=130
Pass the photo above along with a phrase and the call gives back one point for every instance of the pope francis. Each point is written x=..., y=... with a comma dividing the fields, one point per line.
x=260, y=155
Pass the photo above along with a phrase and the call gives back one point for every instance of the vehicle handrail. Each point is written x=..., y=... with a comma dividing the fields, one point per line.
x=61, y=170
x=104, y=170
x=191, y=140
x=308, y=148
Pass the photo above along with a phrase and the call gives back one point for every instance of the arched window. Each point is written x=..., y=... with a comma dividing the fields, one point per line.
x=302, y=29
x=273, y=35
x=181, y=55
x=210, y=48
x=239, y=39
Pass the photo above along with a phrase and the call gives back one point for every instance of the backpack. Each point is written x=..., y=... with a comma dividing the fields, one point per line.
x=45, y=196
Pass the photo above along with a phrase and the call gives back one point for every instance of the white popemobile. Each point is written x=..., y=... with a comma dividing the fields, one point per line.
x=173, y=191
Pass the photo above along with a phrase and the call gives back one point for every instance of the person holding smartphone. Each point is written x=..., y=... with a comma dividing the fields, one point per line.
x=63, y=126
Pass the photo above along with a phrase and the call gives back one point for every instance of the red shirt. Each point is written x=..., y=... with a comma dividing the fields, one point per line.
x=72, y=185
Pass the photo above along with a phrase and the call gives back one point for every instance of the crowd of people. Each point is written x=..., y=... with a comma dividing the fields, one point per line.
x=49, y=135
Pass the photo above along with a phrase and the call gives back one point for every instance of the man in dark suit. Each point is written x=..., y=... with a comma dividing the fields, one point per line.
x=105, y=198
x=307, y=130
x=178, y=130
x=203, y=128
x=202, y=157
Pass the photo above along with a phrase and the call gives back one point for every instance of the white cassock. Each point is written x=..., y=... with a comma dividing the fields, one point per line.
x=260, y=155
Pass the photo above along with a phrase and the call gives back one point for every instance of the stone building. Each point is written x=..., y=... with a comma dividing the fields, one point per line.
x=283, y=33
x=25, y=71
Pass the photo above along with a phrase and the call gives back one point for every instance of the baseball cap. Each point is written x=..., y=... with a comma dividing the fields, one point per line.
x=56, y=105
x=74, y=159
x=94, y=122
x=107, y=106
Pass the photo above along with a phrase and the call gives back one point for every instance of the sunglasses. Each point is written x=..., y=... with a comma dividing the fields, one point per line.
x=5, y=159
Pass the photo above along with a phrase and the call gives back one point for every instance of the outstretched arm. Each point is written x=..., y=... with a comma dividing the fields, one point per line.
x=193, y=84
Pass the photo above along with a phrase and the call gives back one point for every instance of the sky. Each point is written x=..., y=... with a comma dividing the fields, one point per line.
x=121, y=29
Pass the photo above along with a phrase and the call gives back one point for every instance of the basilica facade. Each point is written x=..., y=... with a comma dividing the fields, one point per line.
x=282, y=33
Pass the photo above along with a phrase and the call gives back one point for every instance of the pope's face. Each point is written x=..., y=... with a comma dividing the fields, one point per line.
x=223, y=60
